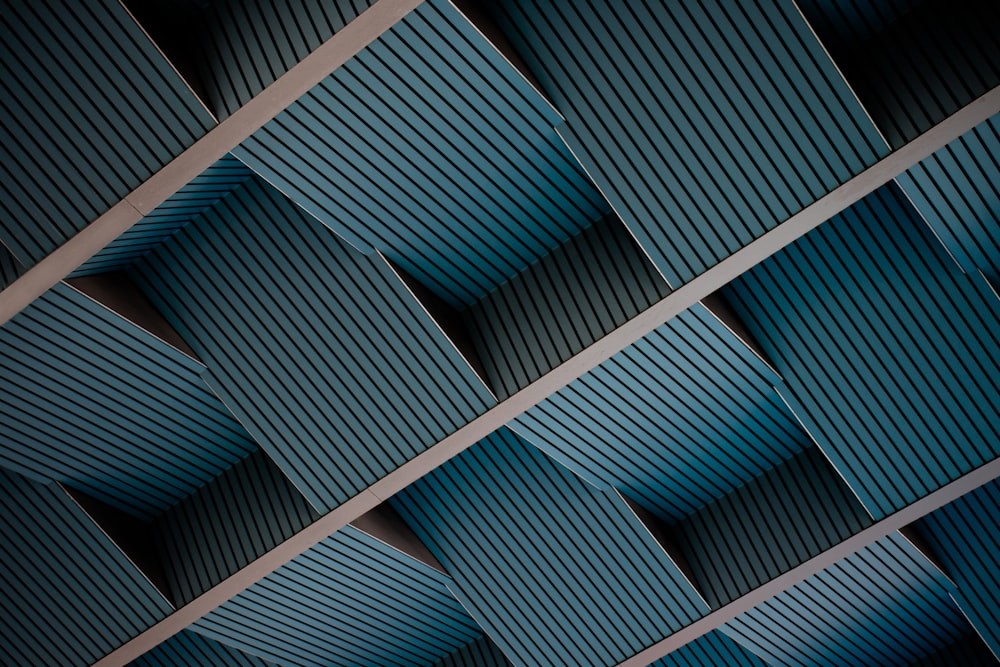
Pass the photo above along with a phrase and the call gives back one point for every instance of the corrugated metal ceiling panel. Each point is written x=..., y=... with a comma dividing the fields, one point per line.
x=712, y=650
x=91, y=110
x=320, y=351
x=350, y=601
x=188, y=649
x=68, y=596
x=675, y=421
x=93, y=401
x=885, y=605
x=479, y=653
x=891, y=357
x=957, y=190
x=689, y=116
x=430, y=147
x=556, y=572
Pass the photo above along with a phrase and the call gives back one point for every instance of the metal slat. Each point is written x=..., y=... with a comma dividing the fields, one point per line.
x=191, y=649
x=479, y=653
x=712, y=650
x=670, y=108
x=313, y=346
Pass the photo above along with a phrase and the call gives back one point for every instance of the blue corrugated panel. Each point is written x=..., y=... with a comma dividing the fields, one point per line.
x=675, y=421
x=166, y=219
x=884, y=605
x=555, y=571
x=226, y=524
x=967, y=651
x=93, y=401
x=912, y=63
x=712, y=650
x=704, y=123
x=350, y=601
x=240, y=47
x=188, y=649
x=771, y=524
x=68, y=596
x=91, y=110
x=957, y=190
x=891, y=357
x=479, y=653
x=10, y=268
x=965, y=538
x=581, y=291
x=320, y=351
x=430, y=147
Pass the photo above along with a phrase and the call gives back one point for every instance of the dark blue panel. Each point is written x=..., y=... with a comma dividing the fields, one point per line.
x=429, y=147
x=349, y=601
x=166, y=219
x=884, y=605
x=891, y=357
x=91, y=110
x=965, y=537
x=91, y=400
x=555, y=571
x=690, y=116
x=321, y=352
x=68, y=596
x=188, y=649
x=480, y=653
x=675, y=421
x=712, y=650
x=957, y=190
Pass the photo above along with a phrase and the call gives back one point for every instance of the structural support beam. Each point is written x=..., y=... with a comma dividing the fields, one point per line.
x=676, y=302
x=221, y=139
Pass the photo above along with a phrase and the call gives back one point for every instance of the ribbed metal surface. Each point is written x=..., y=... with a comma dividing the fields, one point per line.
x=911, y=63
x=227, y=523
x=562, y=303
x=91, y=400
x=188, y=649
x=349, y=601
x=479, y=653
x=712, y=650
x=91, y=110
x=166, y=219
x=965, y=538
x=429, y=147
x=675, y=421
x=957, y=190
x=556, y=572
x=10, y=268
x=241, y=46
x=67, y=595
x=320, y=351
x=884, y=605
x=771, y=524
x=689, y=116
x=890, y=356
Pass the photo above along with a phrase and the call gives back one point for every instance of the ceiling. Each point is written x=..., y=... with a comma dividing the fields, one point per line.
x=402, y=333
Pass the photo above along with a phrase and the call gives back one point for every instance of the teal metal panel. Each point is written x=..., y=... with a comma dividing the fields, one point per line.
x=479, y=653
x=429, y=147
x=91, y=400
x=349, y=601
x=712, y=650
x=689, y=116
x=965, y=538
x=912, y=63
x=891, y=357
x=226, y=524
x=190, y=649
x=321, y=352
x=675, y=421
x=166, y=219
x=68, y=596
x=91, y=110
x=957, y=191
x=559, y=305
x=968, y=651
x=10, y=268
x=555, y=571
x=884, y=605
x=776, y=521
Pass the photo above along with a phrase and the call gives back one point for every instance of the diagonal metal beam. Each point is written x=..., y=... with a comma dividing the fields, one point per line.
x=221, y=139
x=676, y=302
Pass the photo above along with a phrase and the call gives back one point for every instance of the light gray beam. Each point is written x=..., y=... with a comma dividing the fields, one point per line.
x=221, y=139
x=679, y=300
